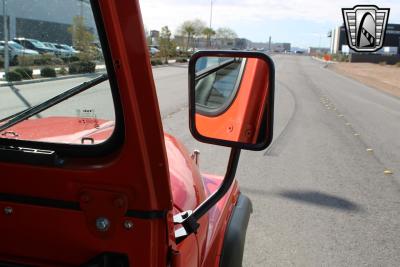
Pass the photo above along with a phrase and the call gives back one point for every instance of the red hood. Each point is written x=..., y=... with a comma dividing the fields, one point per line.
x=69, y=130
x=184, y=175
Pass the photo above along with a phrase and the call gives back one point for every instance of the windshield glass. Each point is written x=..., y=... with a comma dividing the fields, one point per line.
x=87, y=118
x=15, y=45
x=66, y=47
x=37, y=43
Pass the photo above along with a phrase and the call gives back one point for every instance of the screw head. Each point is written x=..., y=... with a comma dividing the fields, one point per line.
x=119, y=202
x=8, y=210
x=128, y=225
x=85, y=198
x=102, y=224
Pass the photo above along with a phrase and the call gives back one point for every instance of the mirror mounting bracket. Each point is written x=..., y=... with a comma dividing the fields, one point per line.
x=189, y=219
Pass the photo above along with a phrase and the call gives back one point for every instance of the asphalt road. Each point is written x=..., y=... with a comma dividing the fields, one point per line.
x=319, y=197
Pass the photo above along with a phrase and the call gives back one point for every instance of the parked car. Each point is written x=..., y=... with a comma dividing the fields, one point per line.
x=57, y=51
x=34, y=45
x=16, y=50
x=73, y=51
x=153, y=51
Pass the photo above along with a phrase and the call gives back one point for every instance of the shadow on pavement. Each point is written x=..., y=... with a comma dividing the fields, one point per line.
x=321, y=199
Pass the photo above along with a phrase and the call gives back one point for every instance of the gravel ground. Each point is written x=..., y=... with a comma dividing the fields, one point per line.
x=382, y=77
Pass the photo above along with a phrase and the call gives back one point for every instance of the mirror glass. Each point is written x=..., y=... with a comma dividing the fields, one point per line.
x=231, y=97
x=216, y=82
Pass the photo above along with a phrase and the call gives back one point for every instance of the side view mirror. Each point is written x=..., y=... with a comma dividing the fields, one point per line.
x=231, y=98
x=231, y=103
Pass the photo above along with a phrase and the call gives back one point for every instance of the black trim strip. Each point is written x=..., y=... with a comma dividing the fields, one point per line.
x=38, y=201
x=71, y=205
x=155, y=214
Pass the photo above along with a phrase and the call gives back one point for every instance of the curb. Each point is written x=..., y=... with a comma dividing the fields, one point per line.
x=322, y=60
x=5, y=84
x=169, y=65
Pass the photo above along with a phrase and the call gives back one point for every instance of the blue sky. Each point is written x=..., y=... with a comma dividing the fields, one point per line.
x=303, y=23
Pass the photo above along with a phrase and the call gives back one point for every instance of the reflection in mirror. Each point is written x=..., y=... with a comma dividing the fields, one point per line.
x=216, y=82
x=230, y=95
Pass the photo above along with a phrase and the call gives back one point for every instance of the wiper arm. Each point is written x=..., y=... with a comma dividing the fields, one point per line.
x=210, y=70
x=12, y=116
x=27, y=113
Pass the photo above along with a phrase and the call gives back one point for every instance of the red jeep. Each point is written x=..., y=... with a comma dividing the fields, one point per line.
x=89, y=178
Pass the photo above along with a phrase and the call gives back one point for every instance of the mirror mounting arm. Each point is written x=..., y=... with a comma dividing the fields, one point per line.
x=190, y=223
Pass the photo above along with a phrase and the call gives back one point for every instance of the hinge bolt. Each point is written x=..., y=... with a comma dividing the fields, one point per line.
x=128, y=225
x=8, y=210
x=119, y=202
x=102, y=224
x=85, y=198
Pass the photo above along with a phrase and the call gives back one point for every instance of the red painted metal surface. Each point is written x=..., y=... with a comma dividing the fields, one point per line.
x=70, y=130
x=188, y=187
x=150, y=172
x=139, y=170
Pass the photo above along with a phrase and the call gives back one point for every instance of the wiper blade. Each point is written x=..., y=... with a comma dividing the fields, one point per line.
x=27, y=113
x=210, y=70
x=12, y=116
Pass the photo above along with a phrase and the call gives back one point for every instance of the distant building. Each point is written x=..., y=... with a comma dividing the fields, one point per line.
x=154, y=35
x=391, y=44
x=242, y=43
x=280, y=47
x=313, y=51
x=273, y=47
x=32, y=19
x=214, y=43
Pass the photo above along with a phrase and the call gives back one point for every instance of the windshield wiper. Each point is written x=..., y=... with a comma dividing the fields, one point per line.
x=210, y=70
x=29, y=112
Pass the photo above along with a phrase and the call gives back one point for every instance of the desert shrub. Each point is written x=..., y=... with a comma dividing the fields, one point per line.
x=382, y=63
x=26, y=60
x=70, y=59
x=13, y=76
x=340, y=57
x=26, y=73
x=48, y=72
x=47, y=60
x=63, y=71
x=181, y=60
x=57, y=61
x=398, y=64
x=155, y=62
x=91, y=53
x=82, y=67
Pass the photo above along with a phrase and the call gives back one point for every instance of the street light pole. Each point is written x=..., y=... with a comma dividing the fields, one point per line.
x=211, y=9
x=5, y=22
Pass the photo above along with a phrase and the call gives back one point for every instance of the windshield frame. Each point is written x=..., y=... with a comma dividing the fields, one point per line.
x=116, y=139
x=214, y=112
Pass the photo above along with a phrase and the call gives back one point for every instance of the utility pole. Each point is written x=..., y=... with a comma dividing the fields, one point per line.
x=5, y=22
x=211, y=9
x=269, y=44
x=81, y=8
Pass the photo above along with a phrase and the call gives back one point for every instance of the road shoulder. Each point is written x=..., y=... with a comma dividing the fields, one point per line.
x=381, y=77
